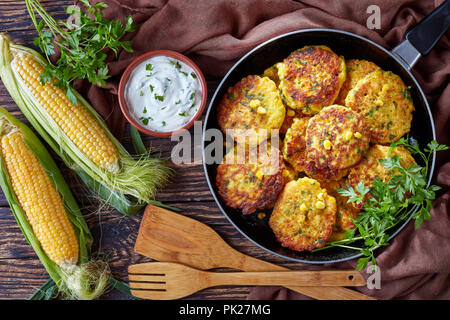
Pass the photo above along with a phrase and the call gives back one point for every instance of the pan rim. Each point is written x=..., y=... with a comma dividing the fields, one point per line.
x=225, y=77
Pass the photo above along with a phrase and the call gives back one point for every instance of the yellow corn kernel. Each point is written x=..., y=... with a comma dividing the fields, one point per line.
x=255, y=103
x=290, y=113
x=288, y=175
x=358, y=135
x=259, y=174
x=39, y=200
x=320, y=205
x=327, y=144
x=261, y=110
x=261, y=215
x=75, y=121
x=348, y=135
x=303, y=207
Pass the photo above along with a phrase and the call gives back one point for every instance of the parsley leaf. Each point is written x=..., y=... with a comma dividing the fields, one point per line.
x=390, y=201
x=81, y=45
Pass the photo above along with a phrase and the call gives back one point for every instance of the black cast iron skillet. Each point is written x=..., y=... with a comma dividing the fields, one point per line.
x=419, y=41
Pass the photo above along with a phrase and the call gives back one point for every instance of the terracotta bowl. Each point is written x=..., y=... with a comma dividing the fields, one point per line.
x=138, y=61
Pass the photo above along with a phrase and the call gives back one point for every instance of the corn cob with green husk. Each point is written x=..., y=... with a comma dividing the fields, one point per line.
x=46, y=211
x=78, y=134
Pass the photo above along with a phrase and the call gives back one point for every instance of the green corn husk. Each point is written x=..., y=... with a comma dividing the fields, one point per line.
x=47, y=290
x=128, y=190
x=86, y=280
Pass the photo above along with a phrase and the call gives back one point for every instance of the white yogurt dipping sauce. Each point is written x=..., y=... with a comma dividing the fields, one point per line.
x=163, y=94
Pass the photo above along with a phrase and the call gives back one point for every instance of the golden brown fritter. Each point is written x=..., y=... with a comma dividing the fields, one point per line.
x=356, y=70
x=336, y=138
x=272, y=73
x=385, y=102
x=291, y=114
x=251, y=181
x=289, y=173
x=311, y=78
x=370, y=168
x=303, y=216
x=253, y=106
x=294, y=144
x=323, y=173
x=345, y=210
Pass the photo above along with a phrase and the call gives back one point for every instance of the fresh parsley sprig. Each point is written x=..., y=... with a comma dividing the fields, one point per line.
x=81, y=44
x=388, y=203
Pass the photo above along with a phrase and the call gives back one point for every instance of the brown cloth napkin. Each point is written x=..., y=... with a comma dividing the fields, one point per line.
x=216, y=33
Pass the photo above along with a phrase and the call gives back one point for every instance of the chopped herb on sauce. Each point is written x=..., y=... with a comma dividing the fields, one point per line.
x=145, y=120
x=176, y=64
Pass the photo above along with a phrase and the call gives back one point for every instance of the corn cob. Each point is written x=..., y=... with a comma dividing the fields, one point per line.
x=39, y=200
x=78, y=134
x=46, y=212
x=75, y=121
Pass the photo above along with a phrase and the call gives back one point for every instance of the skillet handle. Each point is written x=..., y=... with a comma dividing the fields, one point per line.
x=428, y=31
x=422, y=38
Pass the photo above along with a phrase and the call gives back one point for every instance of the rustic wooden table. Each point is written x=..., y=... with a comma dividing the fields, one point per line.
x=21, y=273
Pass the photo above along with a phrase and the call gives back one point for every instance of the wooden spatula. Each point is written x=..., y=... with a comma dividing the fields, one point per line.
x=168, y=280
x=167, y=236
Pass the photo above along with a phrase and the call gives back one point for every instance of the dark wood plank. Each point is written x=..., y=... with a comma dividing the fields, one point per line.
x=14, y=16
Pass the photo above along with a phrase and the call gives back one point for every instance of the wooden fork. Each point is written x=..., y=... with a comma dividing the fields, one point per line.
x=167, y=280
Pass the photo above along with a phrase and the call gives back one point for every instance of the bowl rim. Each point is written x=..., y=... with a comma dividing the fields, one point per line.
x=126, y=76
x=214, y=97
